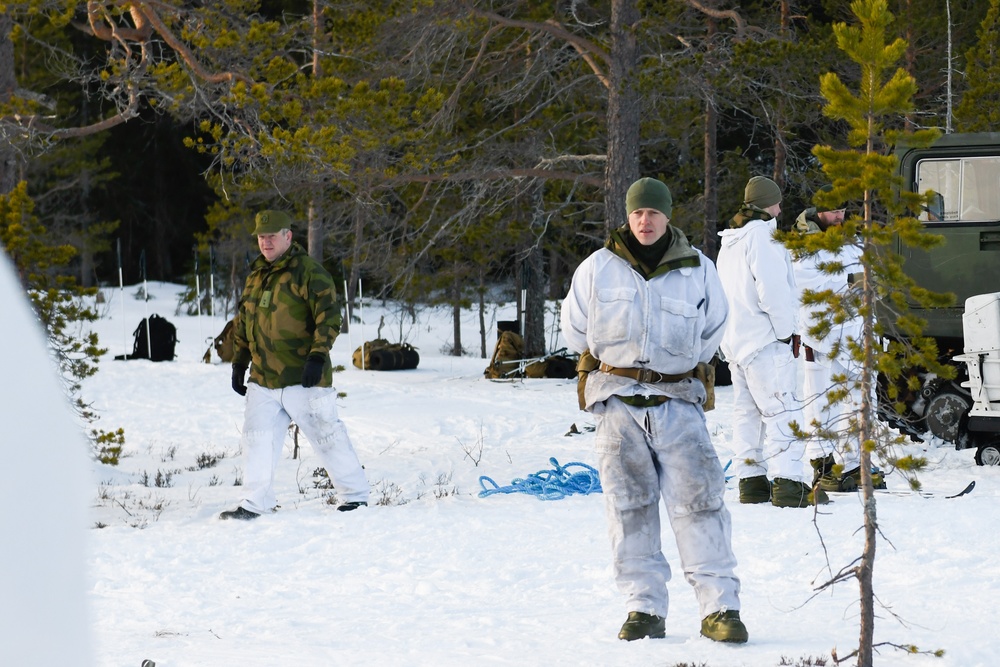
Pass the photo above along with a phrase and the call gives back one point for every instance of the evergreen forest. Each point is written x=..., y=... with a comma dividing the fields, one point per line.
x=429, y=148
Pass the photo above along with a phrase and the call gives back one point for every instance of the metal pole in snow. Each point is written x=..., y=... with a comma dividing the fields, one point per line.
x=361, y=313
x=211, y=280
x=197, y=294
x=121, y=286
x=145, y=300
x=347, y=313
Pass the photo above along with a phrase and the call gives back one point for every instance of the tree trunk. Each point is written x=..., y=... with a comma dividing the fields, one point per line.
x=352, y=281
x=482, y=314
x=534, y=303
x=534, y=280
x=456, y=315
x=557, y=273
x=866, y=639
x=622, y=167
x=314, y=236
x=710, y=233
x=8, y=83
x=780, y=153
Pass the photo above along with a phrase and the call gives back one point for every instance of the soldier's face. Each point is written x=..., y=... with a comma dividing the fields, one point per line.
x=273, y=246
x=827, y=218
x=648, y=225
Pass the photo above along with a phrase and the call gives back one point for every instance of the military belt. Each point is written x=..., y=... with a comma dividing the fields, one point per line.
x=644, y=374
x=643, y=401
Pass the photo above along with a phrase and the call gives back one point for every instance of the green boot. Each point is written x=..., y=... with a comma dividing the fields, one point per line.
x=850, y=481
x=789, y=493
x=725, y=626
x=833, y=480
x=755, y=490
x=822, y=467
x=639, y=625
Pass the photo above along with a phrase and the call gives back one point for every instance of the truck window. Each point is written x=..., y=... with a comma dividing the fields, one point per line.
x=969, y=188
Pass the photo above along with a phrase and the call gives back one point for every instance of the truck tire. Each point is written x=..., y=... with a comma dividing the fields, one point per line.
x=988, y=455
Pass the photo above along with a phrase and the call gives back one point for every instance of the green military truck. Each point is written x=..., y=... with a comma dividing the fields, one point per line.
x=964, y=172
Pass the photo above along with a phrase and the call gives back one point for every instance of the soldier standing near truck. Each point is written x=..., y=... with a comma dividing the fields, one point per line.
x=756, y=274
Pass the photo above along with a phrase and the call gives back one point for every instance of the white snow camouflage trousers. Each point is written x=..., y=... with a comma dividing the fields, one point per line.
x=817, y=380
x=265, y=425
x=646, y=453
x=764, y=402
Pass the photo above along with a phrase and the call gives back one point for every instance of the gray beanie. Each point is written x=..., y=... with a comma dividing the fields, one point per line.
x=762, y=192
x=649, y=193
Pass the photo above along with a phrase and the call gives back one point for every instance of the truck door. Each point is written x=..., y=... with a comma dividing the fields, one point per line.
x=967, y=215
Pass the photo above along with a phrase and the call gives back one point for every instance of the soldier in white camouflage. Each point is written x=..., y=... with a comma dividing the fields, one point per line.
x=649, y=309
x=287, y=322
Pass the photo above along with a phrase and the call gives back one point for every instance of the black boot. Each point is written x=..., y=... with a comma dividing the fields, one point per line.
x=353, y=505
x=239, y=513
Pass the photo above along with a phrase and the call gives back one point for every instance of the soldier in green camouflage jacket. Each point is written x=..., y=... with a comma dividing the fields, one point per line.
x=288, y=319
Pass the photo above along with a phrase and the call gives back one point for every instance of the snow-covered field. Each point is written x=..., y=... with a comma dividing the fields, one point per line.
x=431, y=574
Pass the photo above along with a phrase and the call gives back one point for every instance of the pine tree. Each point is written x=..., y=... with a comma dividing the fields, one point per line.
x=979, y=110
x=864, y=174
x=59, y=303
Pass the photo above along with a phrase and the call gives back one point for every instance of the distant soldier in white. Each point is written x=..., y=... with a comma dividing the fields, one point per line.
x=756, y=274
x=648, y=308
x=836, y=463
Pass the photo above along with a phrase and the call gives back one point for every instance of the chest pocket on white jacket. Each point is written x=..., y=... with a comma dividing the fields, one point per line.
x=612, y=319
x=680, y=325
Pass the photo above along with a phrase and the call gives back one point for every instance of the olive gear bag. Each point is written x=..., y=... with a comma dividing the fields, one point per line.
x=507, y=356
x=381, y=355
x=706, y=373
x=584, y=366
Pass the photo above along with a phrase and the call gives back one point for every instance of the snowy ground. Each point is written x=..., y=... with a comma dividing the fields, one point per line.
x=434, y=575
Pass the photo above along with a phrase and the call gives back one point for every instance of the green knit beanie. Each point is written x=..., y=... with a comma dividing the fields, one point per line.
x=762, y=192
x=271, y=222
x=649, y=193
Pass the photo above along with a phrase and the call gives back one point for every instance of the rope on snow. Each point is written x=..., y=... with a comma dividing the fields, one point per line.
x=554, y=484
x=549, y=484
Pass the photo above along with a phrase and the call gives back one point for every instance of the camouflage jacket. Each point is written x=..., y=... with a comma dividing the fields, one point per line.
x=288, y=311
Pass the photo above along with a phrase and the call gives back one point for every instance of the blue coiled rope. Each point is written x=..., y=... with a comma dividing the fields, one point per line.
x=549, y=484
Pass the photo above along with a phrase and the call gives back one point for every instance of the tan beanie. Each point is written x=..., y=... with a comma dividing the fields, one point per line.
x=762, y=192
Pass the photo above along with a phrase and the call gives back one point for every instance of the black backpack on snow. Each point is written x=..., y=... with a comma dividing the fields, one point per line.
x=159, y=344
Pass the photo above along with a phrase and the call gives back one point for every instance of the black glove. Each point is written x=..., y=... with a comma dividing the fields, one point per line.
x=312, y=372
x=239, y=379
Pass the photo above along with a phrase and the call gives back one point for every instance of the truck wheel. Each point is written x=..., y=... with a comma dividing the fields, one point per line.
x=988, y=455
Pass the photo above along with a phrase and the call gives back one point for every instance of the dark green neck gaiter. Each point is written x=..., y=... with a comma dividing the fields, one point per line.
x=648, y=255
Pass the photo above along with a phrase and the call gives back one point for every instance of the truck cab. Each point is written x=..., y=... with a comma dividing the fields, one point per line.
x=963, y=170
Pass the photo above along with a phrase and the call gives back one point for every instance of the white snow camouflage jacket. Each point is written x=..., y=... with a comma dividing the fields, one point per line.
x=808, y=276
x=756, y=274
x=668, y=323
